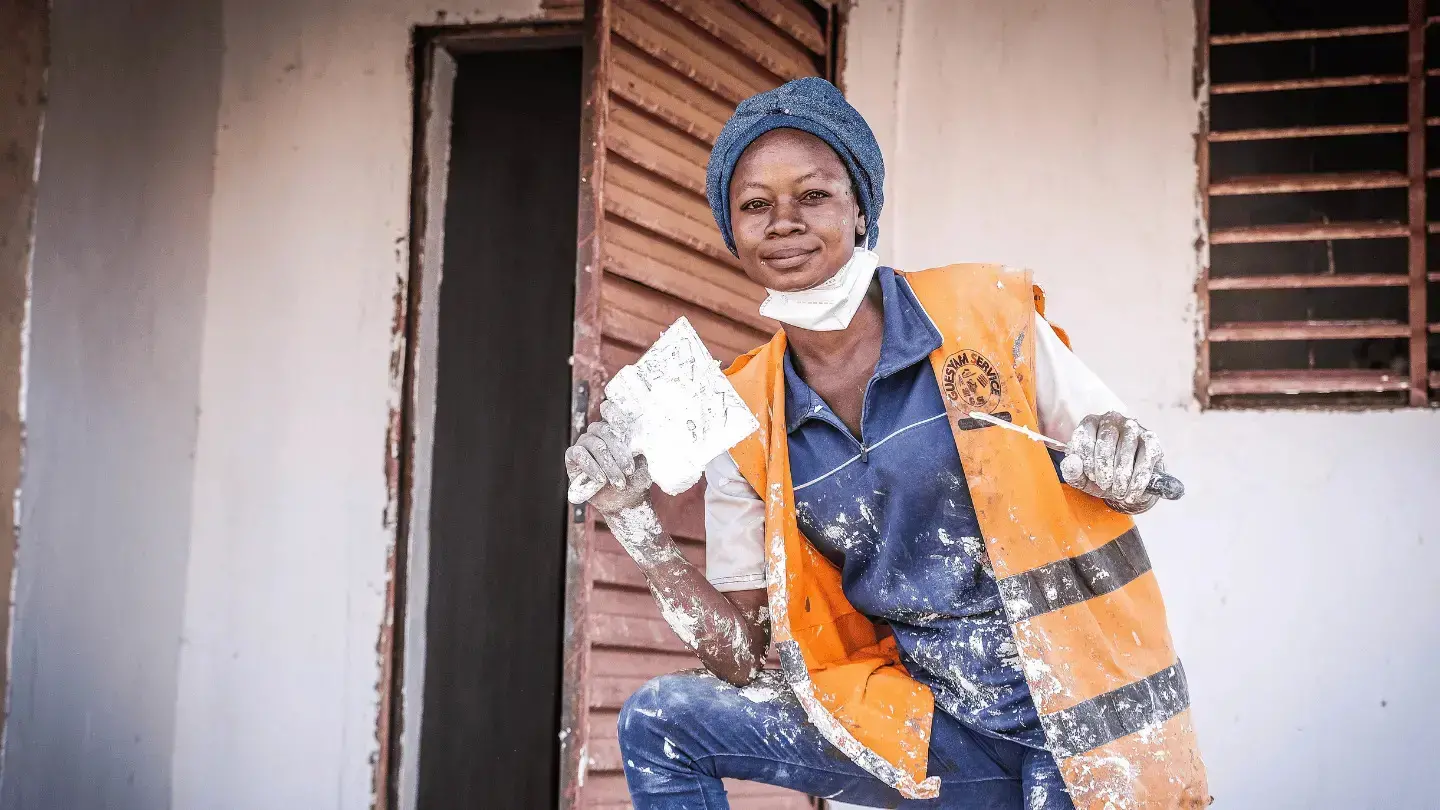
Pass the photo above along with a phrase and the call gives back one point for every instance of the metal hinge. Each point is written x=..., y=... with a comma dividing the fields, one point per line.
x=579, y=413
x=580, y=408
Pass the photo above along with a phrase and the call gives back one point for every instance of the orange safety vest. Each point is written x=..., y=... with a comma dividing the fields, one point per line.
x=1075, y=579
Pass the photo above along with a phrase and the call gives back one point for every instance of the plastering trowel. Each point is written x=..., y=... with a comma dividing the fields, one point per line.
x=1163, y=484
x=676, y=408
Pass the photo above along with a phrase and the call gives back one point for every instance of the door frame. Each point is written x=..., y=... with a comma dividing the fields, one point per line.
x=402, y=637
x=410, y=442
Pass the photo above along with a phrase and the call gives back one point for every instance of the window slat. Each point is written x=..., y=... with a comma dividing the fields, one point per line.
x=1335, y=131
x=1308, y=330
x=1305, y=381
x=1315, y=83
x=1314, y=33
x=1292, y=183
x=1309, y=232
x=1308, y=282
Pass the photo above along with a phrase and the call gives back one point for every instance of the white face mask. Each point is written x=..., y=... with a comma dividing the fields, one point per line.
x=830, y=305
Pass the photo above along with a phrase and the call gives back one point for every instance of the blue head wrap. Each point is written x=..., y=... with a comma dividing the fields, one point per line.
x=811, y=105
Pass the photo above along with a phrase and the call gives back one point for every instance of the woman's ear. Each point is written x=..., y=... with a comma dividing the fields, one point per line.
x=859, y=221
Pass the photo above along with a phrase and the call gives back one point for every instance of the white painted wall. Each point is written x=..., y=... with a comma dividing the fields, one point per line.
x=1302, y=572
x=113, y=384
x=291, y=535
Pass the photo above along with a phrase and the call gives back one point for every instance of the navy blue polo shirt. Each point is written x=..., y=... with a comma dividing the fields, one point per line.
x=893, y=511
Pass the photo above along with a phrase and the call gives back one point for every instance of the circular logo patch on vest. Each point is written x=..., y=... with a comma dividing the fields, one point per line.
x=971, y=380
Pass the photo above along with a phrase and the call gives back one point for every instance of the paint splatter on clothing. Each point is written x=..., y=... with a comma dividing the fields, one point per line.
x=893, y=511
x=681, y=734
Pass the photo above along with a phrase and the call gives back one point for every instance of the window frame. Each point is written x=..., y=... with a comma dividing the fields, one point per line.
x=1287, y=388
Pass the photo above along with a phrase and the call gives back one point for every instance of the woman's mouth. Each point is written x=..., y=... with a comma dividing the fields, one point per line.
x=787, y=258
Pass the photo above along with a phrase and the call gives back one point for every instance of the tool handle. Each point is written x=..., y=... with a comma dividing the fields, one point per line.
x=582, y=489
x=1166, y=486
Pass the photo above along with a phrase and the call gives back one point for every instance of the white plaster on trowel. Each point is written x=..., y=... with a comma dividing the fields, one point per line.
x=677, y=408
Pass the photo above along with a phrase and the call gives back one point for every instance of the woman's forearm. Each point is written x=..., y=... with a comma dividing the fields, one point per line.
x=730, y=640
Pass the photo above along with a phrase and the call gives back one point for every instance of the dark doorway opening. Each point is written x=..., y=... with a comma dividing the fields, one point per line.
x=497, y=527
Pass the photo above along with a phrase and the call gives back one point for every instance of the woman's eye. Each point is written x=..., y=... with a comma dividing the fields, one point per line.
x=753, y=205
x=815, y=195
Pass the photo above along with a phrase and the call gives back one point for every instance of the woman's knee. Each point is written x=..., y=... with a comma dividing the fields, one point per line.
x=662, y=708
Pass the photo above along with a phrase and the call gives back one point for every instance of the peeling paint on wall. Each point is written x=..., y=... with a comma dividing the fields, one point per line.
x=24, y=54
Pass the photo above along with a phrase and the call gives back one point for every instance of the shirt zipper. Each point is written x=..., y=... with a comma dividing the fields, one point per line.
x=864, y=412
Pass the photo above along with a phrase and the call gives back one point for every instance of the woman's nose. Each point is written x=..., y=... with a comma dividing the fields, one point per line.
x=786, y=220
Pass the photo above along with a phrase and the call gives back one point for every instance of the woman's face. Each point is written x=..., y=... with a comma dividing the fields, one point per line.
x=792, y=210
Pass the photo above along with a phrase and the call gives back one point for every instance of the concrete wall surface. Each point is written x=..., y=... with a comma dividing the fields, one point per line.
x=119, y=271
x=216, y=268
x=1302, y=570
x=221, y=237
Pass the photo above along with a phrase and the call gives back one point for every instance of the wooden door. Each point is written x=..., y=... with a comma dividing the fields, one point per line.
x=663, y=76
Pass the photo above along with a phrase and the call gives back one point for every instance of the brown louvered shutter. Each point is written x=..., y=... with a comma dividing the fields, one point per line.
x=663, y=77
x=1316, y=184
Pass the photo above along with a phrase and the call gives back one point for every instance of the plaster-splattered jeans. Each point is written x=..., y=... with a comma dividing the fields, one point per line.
x=680, y=734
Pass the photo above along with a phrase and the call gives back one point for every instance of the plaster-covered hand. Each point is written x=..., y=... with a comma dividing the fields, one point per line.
x=603, y=454
x=1113, y=457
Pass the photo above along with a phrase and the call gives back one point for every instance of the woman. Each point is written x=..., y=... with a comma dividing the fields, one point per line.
x=921, y=664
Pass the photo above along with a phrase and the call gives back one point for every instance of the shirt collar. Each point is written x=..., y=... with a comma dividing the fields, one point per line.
x=909, y=338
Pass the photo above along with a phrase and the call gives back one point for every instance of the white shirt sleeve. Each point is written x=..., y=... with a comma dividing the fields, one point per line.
x=734, y=528
x=1066, y=391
